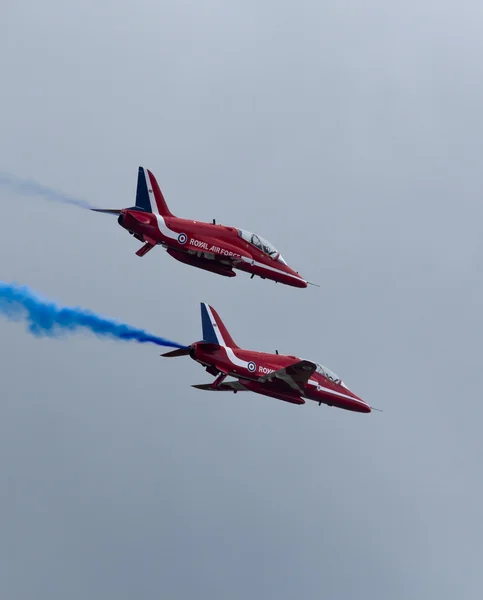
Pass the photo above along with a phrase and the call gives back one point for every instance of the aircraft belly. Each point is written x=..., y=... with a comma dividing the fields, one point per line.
x=196, y=259
x=274, y=391
x=200, y=254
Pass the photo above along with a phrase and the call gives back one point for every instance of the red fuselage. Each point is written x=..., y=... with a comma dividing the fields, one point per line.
x=215, y=248
x=248, y=367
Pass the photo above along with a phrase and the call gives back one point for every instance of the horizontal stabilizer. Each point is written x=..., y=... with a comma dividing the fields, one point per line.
x=108, y=211
x=144, y=249
x=180, y=352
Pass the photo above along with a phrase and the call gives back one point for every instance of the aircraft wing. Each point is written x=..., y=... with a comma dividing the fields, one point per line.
x=296, y=375
x=228, y=386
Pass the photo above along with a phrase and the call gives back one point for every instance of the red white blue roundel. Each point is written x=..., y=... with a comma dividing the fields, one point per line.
x=251, y=367
x=182, y=238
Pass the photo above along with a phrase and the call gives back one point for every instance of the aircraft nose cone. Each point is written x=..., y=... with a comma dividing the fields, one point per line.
x=297, y=280
x=358, y=403
x=362, y=405
x=302, y=283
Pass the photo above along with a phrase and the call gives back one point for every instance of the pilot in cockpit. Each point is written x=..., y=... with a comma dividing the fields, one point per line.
x=255, y=240
x=264, y=247
x=328, y=374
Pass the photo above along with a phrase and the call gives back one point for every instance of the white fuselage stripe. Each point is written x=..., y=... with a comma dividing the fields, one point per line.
x=234, y=359
x=151, y=198
x=261, y=265
x=164, y=229
x=325, y=389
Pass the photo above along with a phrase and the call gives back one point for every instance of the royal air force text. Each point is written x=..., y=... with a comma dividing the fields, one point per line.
x=213, y=249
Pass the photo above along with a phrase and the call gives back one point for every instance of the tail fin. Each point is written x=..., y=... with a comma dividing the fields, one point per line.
x=214, y=331
x=149, y=196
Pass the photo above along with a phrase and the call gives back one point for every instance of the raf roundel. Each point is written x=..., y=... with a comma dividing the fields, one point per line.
x=182, y=238
x=252, y=367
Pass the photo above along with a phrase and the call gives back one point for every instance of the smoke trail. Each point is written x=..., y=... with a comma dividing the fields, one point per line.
x=32, y=188
x=46, y=318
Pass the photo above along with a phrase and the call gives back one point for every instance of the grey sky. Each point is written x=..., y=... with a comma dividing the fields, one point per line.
x=349, y=134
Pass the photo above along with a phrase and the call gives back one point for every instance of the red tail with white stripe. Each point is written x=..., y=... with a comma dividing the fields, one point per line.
x=149, y=196
x=214, y=330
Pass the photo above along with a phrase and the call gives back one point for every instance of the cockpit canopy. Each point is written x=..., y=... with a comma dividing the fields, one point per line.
x=262, y=244
x=328, y=373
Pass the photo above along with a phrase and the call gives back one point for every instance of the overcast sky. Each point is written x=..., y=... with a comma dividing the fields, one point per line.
x=350, y=135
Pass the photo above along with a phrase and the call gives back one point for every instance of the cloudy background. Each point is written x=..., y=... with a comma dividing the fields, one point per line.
x=350, y=135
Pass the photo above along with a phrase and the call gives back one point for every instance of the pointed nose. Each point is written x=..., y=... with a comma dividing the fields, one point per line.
x=300, y=282
x=296, y=280
x=360, y=405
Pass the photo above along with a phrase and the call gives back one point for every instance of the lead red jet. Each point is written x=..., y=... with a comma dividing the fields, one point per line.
x=210, y=246
x=287, y=378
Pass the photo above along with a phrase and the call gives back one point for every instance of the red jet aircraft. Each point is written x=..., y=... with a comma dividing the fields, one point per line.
x=287, y=378
x=215, y=248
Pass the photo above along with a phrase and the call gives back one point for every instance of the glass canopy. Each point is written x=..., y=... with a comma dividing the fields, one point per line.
x=262, y=244
x=328, y=373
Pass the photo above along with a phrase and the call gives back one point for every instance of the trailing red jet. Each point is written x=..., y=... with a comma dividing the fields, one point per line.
x=210, y=246
x=287, y=378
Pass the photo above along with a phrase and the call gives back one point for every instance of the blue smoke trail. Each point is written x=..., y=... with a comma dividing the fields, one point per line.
x=46, y=318
x=32, y=188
